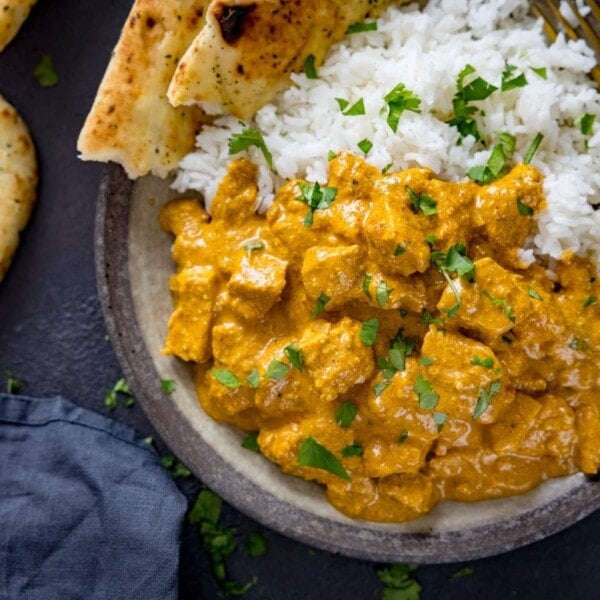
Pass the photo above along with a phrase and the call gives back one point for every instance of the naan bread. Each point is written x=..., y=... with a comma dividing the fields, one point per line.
x=12, y=15
x=18, y=181
x=246, y=51
x=131, y=121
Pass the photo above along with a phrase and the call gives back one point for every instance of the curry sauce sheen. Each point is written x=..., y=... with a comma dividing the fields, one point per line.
x=390, y=323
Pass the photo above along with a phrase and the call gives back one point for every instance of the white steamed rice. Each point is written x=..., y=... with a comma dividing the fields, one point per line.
x=425, y=51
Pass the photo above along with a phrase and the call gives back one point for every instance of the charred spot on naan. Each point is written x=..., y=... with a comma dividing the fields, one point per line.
x=246, y=51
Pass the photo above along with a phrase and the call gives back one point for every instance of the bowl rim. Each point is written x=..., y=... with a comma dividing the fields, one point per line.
x=357, y=541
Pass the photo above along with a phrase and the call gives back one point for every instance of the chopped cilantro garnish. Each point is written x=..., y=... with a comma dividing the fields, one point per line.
x=322, y=300
x=353, y=450
x=486, y=363
x=422, y=202
x=277, y=370
x=456, y=261
x=239, y=142
x=382, y=293
x=429, y=319
x=14, y=385
x=379, y=387
x=430, y=239
x=524, y=210
x=428, y=399
x=219, y=541
x=120, y=388
x=439, y=419
x=399, y=582
x=256, y=545
x=365, y=145
x=253, y=378
x=226, y=377
x=535, y=144
x=45, y=73
x=331, y=155
x=316, y=197
x=398, y=100
x=589, y=301
x=175, y=468
x=368, y=331
x=502, y=303
x=387, y=168
x=400, y=250
x=313, y=454
x=534, y=294
x=309, y=67
x=464, y=113
x=168, y=386
x=493, y=169
x=402, y=436
x=357, y=109
x=361, y=27
x=464, y=572
x=540, y=72
x=426, y=361
x=250, y=442
x=511, y=82
x=345, y=415
x=366, y=284
x=508, y=141
x=485, y=398
x=585, y=122
x=294, y=355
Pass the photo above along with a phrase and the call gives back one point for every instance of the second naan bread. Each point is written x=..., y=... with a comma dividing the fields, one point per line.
x=18, y=181
x=131, y=121
x=12, y=15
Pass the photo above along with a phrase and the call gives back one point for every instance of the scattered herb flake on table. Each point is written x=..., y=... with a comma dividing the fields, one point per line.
x=256, y=545
x=399, y=582
x=45, y=73
x=121, y=388
x=13, y=384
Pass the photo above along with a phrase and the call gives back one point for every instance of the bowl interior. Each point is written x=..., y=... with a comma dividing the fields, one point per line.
x=134, y=265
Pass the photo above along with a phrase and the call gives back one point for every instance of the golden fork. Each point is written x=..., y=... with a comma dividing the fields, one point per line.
x=587, y=28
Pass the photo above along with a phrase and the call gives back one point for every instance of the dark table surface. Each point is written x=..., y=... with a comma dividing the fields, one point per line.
x=52, y=336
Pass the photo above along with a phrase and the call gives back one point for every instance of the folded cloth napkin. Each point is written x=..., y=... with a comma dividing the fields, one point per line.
x=86, y=510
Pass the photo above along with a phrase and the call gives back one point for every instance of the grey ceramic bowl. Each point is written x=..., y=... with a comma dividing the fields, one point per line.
x=133, y=265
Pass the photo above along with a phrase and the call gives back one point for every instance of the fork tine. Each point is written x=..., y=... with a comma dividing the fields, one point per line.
x=595, y=7
x=554, y=21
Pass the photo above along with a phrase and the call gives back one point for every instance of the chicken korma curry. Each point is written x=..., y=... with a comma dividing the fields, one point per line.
x=385, y=337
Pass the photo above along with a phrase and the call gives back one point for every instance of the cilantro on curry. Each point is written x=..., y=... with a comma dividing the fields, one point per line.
x=379, y=333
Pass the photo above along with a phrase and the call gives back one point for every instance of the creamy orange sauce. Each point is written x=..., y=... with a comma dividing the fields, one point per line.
x=475, y=386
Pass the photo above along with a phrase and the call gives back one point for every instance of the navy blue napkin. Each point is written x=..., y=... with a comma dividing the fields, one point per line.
x=86, y=509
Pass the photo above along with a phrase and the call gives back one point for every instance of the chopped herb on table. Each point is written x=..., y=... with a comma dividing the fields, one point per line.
x=13, y=385
x=45, y=73
x=464, y=572
x=120, y=389
x=218, y=541
x=256, y=545
x=399, y=582
x=175, y=468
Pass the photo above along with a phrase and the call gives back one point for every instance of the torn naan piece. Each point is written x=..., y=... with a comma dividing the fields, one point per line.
x=18, y=181
x=247, y=49
x=12, y=15
x=131, y=121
